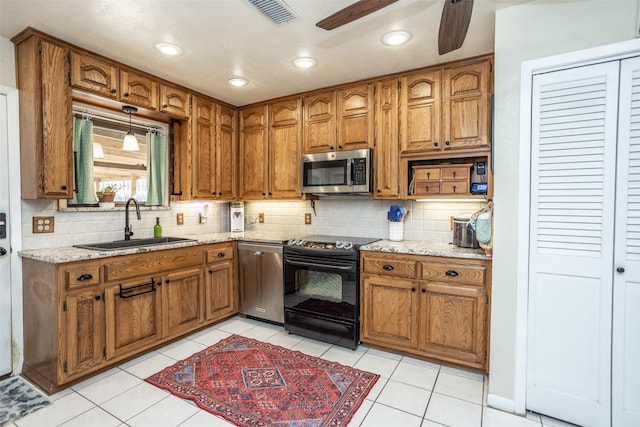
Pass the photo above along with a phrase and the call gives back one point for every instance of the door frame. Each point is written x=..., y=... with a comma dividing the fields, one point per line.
x=15, y=226
x=528, y=70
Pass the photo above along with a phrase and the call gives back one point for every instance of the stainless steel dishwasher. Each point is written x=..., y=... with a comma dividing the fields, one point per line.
x=261, y=280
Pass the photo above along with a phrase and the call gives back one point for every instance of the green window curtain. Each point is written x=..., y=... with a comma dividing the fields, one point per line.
x=156, y=169
x=83, y=149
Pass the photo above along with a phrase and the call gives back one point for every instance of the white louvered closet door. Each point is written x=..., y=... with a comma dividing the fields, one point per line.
x=573, y=172
x=626, y=282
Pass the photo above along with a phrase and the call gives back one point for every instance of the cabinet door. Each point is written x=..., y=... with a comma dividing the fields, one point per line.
x=138, y=89
x=94, y=75
x=174, y=100
x=467, y=106
x=57, y=126
x=319, y=112
x=355, y=117
x=254, y=153
x=387, y=183
x=220, y=292
x=420, y=108
x=133, y=321
x=181, y=301
x=285, y=143
x=389, y=311
x=203, y=149
x=84, y=332
x=452, y=323
x=226, y=152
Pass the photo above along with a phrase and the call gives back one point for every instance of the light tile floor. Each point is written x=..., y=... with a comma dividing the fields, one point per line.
x=410, y=392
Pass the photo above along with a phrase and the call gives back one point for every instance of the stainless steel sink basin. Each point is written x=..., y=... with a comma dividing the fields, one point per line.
x=133, y=243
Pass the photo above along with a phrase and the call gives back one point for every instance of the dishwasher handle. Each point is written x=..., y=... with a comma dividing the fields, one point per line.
x=259, y=248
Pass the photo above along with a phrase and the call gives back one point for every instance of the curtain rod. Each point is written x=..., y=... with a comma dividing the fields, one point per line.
x=122, y=123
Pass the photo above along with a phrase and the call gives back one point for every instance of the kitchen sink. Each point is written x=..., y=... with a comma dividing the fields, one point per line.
x=133, y=243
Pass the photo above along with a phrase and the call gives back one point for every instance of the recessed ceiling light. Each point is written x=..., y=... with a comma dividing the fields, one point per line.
x=238, y=81
x=304, y=62
x=395, y=38
x=168, y=49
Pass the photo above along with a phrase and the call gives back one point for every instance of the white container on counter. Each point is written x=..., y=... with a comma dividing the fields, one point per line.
x=396, y=231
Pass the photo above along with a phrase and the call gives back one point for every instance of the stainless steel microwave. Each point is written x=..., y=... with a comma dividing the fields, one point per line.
x=337, y=172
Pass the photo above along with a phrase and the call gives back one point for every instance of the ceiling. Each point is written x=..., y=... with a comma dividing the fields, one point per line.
x=224, y=38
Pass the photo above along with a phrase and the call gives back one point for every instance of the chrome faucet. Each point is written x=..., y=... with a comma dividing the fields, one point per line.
x=128, y=229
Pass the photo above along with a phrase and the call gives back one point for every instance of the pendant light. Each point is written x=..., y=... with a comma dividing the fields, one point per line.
x=130, y=142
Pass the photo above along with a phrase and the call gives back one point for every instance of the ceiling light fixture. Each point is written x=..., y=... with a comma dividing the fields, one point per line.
x=130, y=142
x=396, y=38
x=304, y=62
x=238, y=81
x=98, y=152
x=168, y=49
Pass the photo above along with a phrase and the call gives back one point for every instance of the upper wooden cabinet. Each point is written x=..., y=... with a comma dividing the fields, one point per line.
x=339, y=120
x=226, y=152
x=254, y=149
x=46, y=127
x=466, y=101
x=446, y=109
x=174, y=100
x=108, y=80
x=386, y=151
x=319, y=118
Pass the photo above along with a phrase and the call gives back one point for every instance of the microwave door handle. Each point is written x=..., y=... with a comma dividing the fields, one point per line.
x=350, y=171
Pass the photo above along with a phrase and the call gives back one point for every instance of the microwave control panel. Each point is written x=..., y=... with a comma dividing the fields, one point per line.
x=359, y=171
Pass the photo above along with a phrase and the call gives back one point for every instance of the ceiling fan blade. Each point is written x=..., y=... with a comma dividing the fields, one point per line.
x=351, y=13
x=454, y=24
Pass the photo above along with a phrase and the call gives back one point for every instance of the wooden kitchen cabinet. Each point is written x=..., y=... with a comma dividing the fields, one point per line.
x=449, y=180
x=435, y=307
x=226, y=152
x=254, y=153
x=355, y=128
x=285, y=144
x=174, y=100
x=110, y=81
x=386, y=150
x=220, y=294
x=203, y=149
x=46, y=126
x=319, y=122
x=420, y=112
x=84, y=316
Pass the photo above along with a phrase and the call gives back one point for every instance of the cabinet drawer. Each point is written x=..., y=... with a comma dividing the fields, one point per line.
x=454, y=187
x=390, y=267
x=427, y=187
x=82, y=275
x=454, y=273
x=151, y=263
x=427, y=174
x=455, y=172
x=219, y=253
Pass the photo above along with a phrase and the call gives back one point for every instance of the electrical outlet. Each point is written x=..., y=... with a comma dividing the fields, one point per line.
x=307, y=218
x=261, y=218
x=42, y=224
x=180, y=219
x=450, y=223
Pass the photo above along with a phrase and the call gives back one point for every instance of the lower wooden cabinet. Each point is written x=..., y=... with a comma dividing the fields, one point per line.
x=84, y=316
x=435, y=307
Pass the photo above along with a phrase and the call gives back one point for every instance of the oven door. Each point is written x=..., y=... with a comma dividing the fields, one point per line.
x=321, y=298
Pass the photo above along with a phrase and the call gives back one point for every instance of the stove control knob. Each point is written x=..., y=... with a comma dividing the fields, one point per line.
x=348, y=245
x=340, y=244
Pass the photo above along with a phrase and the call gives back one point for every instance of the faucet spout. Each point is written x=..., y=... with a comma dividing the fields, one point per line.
x=128, y=229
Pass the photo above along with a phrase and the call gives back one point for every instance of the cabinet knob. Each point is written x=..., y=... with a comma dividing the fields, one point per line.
x=452, y=273
x=435, y=144
x=426, y=187
x=97, y=297
x=167, y=281
x=164, y=105
x=264, y=194
x=221, y=254
x=620, y=269
x=378, y=190
x=447, y=143
x=113, y=90
x=388, y=267
x=84, y=277
x=424, y=291
x=454, y=172
x=331, y=148
x=125, y=94
x=64, y=187
x=454, y=188
x=220, y=194
x=413, y=289
x=339, y=147
x=428, y=175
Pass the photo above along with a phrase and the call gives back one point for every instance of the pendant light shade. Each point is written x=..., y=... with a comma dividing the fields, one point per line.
x=130, y=142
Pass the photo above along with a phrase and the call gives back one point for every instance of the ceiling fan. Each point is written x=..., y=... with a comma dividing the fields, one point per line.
x=454, y=23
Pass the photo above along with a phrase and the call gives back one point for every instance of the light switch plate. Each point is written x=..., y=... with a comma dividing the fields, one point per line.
x=180, y=218
x=261, y=218
x=42, y=224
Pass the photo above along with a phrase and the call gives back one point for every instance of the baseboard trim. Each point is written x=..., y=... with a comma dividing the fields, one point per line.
x=501, y=403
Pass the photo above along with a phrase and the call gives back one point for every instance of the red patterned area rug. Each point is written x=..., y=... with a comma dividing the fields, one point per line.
x=252, y=383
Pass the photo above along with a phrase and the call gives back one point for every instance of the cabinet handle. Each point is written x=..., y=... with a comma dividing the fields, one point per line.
x=454, y=188
x=454, y=174
x=331, y=148
x=126, y=292
x=113, y=90
x=378, y=190
x=84, y=277
x=426, y=187
x=64, y=187
x=97, y=297
x=620, y=269
x=424, y=291
x=452, y=273
x=413, y=289
x=126, y=94
x=447, y=143
x=210, y=271
x=339, y=147
x=428, y=175
x=388, y=267
x=167, y=281
x=164, y=105
x=435, y=144
x=221, y=254
x=220, y=194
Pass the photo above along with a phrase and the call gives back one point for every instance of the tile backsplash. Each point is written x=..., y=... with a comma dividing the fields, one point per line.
x=355, y=216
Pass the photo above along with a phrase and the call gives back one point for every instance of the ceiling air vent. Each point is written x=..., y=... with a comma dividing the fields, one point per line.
x=276, y=10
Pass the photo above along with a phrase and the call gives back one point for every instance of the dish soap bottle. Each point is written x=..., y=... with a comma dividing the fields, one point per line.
x=157, y=229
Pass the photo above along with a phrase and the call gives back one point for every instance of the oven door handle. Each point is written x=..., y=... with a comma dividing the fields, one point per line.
x=289, y=261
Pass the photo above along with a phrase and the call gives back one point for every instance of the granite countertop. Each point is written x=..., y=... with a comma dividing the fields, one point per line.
x=415, y=247
x=424, y=247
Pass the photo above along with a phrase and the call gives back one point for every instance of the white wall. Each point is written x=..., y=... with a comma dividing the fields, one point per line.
x=532, y=30
x=7, y=63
